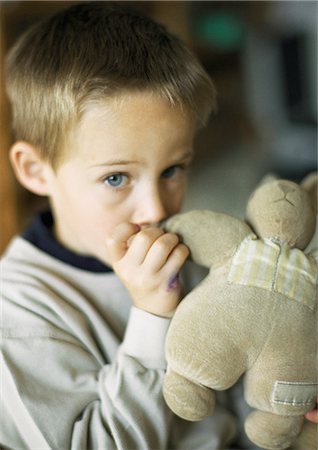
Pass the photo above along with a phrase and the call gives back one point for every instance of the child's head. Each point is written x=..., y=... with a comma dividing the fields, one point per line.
x=90, y=53
x=106, y=104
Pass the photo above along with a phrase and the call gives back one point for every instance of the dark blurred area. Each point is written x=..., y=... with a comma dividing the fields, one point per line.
x=262, y=56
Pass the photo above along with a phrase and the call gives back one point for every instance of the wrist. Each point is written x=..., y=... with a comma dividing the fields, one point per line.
x=161, y=303
x=145, y=338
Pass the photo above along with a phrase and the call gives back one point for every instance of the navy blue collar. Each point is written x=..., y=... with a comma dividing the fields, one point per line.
x=40, y=234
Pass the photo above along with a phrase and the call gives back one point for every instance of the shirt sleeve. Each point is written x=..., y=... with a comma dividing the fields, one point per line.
x=58, y=396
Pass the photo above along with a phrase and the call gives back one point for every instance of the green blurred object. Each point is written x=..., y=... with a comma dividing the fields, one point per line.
x=223, y=30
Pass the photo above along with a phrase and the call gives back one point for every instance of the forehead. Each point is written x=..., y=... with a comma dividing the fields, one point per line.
x=128, y=123
x=132, y=107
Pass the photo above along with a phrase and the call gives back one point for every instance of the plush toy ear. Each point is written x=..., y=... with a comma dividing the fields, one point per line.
x=268, y=178
x=310, y=184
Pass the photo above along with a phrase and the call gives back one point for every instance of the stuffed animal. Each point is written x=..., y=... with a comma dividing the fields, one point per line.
x=255, y=313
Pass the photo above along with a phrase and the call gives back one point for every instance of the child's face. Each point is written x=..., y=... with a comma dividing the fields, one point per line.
x=127, y=162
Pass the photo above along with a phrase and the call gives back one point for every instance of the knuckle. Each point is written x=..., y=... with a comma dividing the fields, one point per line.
x=172, y=237
x=161, y=247
x=121, y=234
x=148, y=235
x=182, y=251
x=167, y=241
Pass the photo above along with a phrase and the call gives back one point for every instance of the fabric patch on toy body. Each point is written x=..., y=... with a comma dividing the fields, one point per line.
x=270, y=265
x=294, y=393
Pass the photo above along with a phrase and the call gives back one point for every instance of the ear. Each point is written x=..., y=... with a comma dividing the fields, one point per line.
x=29, y=168
x=310, y=184
x=268, y=178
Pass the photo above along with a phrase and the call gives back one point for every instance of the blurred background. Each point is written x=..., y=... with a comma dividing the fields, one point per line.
x=262, y=56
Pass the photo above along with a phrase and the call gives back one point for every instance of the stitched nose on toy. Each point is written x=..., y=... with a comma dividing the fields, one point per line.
x=285, y=191
x=284, y=188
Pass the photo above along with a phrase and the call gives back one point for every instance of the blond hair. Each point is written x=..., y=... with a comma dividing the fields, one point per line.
x=88, y=53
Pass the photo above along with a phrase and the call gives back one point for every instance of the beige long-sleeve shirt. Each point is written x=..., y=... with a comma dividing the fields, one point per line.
x=83, y=369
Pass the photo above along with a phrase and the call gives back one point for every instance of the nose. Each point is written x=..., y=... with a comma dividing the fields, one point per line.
x=285, y=188
x=150, y=209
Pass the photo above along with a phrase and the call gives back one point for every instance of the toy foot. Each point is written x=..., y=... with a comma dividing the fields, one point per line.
x=308, y=438
x=272, y=431
x=186, y=399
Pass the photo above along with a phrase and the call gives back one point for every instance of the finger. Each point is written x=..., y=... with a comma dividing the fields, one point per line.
x=312, y=416
x=160, y=250
x=120, y=239
x=173, y=266
x=142, y=243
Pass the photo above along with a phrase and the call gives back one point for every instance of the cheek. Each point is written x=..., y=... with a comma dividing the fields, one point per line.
x=175, y=201
x=99, y=222
x=103, y=220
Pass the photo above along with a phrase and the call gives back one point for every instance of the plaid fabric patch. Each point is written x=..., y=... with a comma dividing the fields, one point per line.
x=275, y=267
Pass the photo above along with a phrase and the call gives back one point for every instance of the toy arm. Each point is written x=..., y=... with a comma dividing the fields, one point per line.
x=210, y=236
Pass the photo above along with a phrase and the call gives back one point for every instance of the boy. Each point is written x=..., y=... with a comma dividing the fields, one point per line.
x=106, y=104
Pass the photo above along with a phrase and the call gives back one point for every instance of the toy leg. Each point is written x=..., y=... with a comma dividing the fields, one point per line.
x=308, y=438
x=186, y=399
x=272, y=431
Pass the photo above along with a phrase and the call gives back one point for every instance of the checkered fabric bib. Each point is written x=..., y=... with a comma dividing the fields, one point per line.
x=268, y=264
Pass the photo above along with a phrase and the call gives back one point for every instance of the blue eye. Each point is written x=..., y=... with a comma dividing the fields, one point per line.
x=174, y=171
x=116, y=180
x=170, y=172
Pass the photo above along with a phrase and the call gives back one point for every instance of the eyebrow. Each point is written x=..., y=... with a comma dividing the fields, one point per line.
x=115, y=162
x=123, y=162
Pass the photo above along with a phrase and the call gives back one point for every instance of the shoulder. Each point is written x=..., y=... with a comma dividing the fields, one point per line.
x=28, y=285
x=39, y=290
x=43, y=298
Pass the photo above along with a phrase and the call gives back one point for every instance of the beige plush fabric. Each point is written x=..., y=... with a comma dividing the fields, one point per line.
x=254, y=314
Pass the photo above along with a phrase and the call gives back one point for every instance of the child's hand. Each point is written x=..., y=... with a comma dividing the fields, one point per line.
x=313, y=415
x=148, y=262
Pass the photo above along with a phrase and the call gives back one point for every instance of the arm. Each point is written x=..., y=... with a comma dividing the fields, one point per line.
x=58, y=395
x=60, y=390
x=211, y=236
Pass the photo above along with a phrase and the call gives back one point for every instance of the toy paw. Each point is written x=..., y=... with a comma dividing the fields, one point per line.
x=188, y=400
x=271, y=431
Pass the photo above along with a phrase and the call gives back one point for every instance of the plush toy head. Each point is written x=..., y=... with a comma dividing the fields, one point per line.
x=254, y=314
x=281, y=209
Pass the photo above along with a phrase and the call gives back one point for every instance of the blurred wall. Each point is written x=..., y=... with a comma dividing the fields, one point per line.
x=262, y=57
